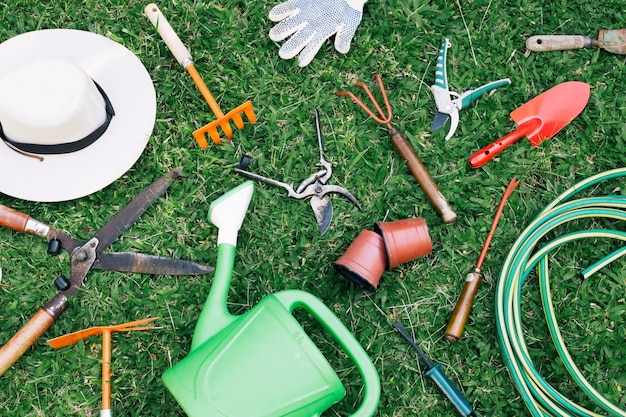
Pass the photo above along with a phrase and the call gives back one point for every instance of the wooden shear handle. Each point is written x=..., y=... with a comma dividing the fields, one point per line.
x=31, y=331
x=21, y=222
x=13, y=219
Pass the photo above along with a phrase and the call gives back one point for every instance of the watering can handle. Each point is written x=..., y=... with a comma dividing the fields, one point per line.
x=293, y=299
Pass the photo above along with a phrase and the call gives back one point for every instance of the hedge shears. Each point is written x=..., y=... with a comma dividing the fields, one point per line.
x=85, y=256
x=449, y=102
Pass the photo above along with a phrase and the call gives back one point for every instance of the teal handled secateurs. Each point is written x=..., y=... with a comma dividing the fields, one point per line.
x=448, y=102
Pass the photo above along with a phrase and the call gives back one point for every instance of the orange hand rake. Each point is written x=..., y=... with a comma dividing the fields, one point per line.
x=183, y=56
x=417, y=168
x=106, y=331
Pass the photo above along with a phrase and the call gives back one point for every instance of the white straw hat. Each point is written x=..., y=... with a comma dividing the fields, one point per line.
x=76, y=112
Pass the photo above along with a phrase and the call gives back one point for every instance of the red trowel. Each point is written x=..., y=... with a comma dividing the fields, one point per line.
x=540, y=118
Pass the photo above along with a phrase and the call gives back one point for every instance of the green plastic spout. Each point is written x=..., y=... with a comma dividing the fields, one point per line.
x=227, y=213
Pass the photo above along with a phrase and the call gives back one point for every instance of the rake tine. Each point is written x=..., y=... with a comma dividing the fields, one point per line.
x=384, y=94
x=382, y=119
x=238, y=121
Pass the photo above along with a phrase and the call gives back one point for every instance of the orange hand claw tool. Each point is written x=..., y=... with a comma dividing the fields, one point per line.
x=106, y=332
x=402, y=145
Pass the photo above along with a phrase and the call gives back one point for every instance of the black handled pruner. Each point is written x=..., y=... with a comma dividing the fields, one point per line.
x=313, y=186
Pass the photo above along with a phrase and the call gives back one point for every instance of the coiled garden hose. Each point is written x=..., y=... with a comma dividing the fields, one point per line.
x=531, y=250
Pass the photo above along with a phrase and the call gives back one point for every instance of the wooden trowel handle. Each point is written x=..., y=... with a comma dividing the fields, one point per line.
x=542, y=43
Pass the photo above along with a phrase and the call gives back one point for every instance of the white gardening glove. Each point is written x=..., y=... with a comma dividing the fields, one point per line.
x=311, y=22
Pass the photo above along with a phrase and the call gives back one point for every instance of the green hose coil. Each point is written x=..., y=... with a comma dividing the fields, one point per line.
x=530, y=251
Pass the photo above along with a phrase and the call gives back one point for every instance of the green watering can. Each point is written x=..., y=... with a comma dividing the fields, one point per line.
x=261, y=363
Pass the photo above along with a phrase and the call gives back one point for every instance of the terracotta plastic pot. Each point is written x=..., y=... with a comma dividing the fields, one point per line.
x=364, y=261
x=405, y=240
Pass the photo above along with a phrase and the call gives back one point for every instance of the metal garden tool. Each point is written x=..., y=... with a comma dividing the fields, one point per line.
x=262, y=363
x=106, y=332
x=449, y=103
x=434, y=372
x=87, y=256
x=314, y=186
x=418, y=169
x=613, y=41
x=183, y=56
x=540, y=119
x=463, y=306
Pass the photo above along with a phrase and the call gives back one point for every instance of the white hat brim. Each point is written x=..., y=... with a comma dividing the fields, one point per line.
x=131, y=92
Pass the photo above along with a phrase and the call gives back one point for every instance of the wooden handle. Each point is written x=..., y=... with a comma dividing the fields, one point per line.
x=422, y=176
x=13, y=219
x=543, y=43
x=168, y=34
x=24, y=339
x=31, y=331
x=463, y=306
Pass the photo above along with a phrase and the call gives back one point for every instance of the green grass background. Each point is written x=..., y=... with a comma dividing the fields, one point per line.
x=279, y=246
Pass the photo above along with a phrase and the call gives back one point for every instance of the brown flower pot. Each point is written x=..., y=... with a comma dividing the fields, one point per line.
x=364, y=261
x=405, y=240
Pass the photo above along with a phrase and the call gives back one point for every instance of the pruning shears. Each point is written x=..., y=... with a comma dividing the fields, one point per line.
x=85, y=256
x=313, y=187
x=449, y=102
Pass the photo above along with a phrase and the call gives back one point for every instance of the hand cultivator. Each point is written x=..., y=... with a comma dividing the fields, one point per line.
x=183, y=56
x=418, y=169
x=78, y=109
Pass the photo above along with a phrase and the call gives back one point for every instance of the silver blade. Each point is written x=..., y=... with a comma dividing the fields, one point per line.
x=439, y=121
x=323, y=210
x=149, y=264
x=127, y=216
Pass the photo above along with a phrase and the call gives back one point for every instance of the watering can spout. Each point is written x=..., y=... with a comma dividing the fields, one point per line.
x=227, y=213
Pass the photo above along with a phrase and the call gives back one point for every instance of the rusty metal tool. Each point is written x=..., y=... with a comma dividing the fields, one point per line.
x=106, y=332
x=461, y=311
x=417, y=168
x=434, y=372
x=613, y=41
x=87, y=256
x=183, y=56
x=314, y=186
